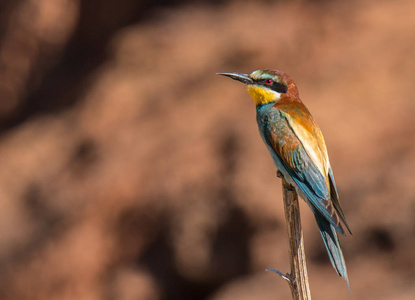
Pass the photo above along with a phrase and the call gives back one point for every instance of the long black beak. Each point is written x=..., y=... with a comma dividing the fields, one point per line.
x=238, y=76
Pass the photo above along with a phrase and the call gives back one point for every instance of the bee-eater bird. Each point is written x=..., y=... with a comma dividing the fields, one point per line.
x=297, y=147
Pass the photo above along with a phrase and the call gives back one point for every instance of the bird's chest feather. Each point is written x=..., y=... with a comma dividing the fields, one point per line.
x=270, y=121
x=275, y=132
x=280, y=140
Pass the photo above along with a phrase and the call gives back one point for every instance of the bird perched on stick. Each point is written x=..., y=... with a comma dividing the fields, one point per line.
x=297, y=147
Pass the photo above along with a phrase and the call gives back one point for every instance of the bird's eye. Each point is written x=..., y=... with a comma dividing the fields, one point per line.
x=268, y=81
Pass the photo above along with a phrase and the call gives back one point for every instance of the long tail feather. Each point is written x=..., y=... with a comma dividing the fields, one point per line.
x=328, y=232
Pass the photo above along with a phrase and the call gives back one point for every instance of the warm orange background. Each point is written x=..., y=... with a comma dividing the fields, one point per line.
x=129, y=170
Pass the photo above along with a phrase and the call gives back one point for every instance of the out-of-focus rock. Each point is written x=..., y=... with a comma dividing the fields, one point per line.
x=34, y=38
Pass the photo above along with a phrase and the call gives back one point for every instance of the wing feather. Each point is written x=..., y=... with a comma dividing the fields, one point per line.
x=289, y=149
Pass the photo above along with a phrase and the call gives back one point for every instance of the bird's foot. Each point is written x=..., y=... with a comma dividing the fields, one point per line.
x=286, y=184
x=290, y=187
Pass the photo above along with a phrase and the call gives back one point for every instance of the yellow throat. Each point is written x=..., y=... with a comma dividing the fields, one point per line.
x=262, y=95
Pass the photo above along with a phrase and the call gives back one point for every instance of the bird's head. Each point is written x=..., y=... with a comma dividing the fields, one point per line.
x=266, y=86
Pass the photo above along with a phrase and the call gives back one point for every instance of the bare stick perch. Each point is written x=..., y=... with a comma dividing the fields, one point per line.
x=298, y=278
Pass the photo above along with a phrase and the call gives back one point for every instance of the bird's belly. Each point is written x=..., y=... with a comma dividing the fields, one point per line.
x=288, y=178
x=265, y=116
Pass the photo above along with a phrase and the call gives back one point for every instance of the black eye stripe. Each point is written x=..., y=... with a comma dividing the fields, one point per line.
x=279, y=87
x=263, y=82
x=275, y=86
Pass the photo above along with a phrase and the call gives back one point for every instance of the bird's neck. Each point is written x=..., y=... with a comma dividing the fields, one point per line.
x=262, y=95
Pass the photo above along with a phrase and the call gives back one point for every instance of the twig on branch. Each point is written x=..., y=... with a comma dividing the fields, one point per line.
x=298, y=278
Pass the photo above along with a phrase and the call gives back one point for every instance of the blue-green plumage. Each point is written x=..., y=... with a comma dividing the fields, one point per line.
x=281, y=140
x=332, y=244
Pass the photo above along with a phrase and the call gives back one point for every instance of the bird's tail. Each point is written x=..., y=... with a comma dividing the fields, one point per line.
x=332, y=245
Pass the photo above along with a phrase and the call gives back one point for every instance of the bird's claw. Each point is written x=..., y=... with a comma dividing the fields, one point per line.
x=290, y=187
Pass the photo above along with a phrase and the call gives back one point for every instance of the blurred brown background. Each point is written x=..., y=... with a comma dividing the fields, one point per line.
x=129, y=170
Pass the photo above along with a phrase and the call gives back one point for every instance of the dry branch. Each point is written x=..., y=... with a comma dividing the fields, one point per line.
x=298, y=278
